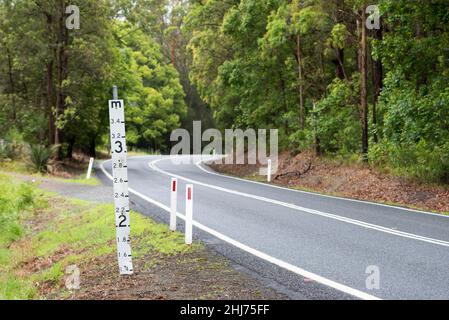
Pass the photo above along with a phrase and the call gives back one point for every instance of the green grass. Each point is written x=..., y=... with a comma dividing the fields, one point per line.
x=16, y=166
x=257, y=178
x=71, y=232
x=93, y=181
x=21, y=168
x=17, y=200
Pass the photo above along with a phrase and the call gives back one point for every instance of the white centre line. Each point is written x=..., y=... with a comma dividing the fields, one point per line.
x=305, y=210
x=200, y=166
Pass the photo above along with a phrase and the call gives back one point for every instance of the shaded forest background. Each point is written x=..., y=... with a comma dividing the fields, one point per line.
x=309, y=68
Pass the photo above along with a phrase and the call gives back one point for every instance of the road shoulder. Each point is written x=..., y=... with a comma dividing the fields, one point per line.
x=72, y=225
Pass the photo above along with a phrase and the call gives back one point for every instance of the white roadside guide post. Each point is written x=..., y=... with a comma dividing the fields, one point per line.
x=173, y=203
x=89, y=170
x=120, y=180
x=269, y=171
x=189, y=213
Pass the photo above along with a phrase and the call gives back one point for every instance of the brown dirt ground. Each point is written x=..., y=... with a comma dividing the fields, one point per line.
x=352, y=181
x=199, y=275
x=69, y=168
x=192, y=276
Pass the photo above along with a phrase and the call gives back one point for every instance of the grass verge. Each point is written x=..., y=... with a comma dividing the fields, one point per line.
x=43, y=235
x=20, y=168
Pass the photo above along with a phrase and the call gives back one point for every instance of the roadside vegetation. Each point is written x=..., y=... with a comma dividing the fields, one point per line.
x=38, y=160
x=375, y=96
x=338, y=177
x=43, y=234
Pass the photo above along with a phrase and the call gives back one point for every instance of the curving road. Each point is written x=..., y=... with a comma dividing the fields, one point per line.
x=313, y=246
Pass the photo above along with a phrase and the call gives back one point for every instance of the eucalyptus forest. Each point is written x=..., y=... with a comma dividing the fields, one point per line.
x=365, y=81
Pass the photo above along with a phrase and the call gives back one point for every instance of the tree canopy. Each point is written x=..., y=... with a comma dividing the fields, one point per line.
x=353, y=79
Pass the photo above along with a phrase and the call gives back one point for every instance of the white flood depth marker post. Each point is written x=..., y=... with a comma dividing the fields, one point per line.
x=189, y=213
x=269, y=171
x=173, y=203
x=120, y=179
x=89, y=170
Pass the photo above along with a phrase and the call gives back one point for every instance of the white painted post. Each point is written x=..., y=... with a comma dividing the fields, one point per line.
x=120, y=181
x=269, y=171
x=189, y=213
x=173, y=203
x=89, y=170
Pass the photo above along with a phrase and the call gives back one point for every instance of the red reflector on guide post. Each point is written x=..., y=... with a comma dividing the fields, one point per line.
x=174, y=185
x=189, y=194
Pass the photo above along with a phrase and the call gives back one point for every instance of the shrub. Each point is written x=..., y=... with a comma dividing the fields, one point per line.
x=39, y=156
x=10, y=150
x=337, y=119
x=378, y=154
x=26, y=196
x=423, y=160
x=14, y=199
x=3, y=150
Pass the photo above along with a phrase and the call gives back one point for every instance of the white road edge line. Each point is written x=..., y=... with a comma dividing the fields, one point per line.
x=359, y=223
x=285, y=265
x=201, y=167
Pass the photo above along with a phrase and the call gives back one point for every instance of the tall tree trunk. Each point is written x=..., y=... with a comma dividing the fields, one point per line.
x=51, y=119
x=378, y=81
x=340, y=52
x=92, y=146
x=316, y=139
x=340, y=64
x=363, y=84
x=173, y=52
x=62, y=65
x=300, y=84
x=70, y=144
x=12, y=87
x=59, y=59
x=49, y=81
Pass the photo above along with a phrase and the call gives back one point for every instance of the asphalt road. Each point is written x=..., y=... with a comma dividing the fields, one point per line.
x=309, y=246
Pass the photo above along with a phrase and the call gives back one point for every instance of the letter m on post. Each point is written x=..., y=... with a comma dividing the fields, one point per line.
x=116, y=104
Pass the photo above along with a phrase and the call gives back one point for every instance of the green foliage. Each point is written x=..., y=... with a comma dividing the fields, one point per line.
x=15, y=199
x=55, y=84
x=5, y=150
x=423, y=160
x=336, y=119
x=246, y=56
x=257, y=63
x=154, y=94
x=301, y=140
x=339, y=35
x=415, y=98
x=39, y=156
x=76, y=226
x=12, y=147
